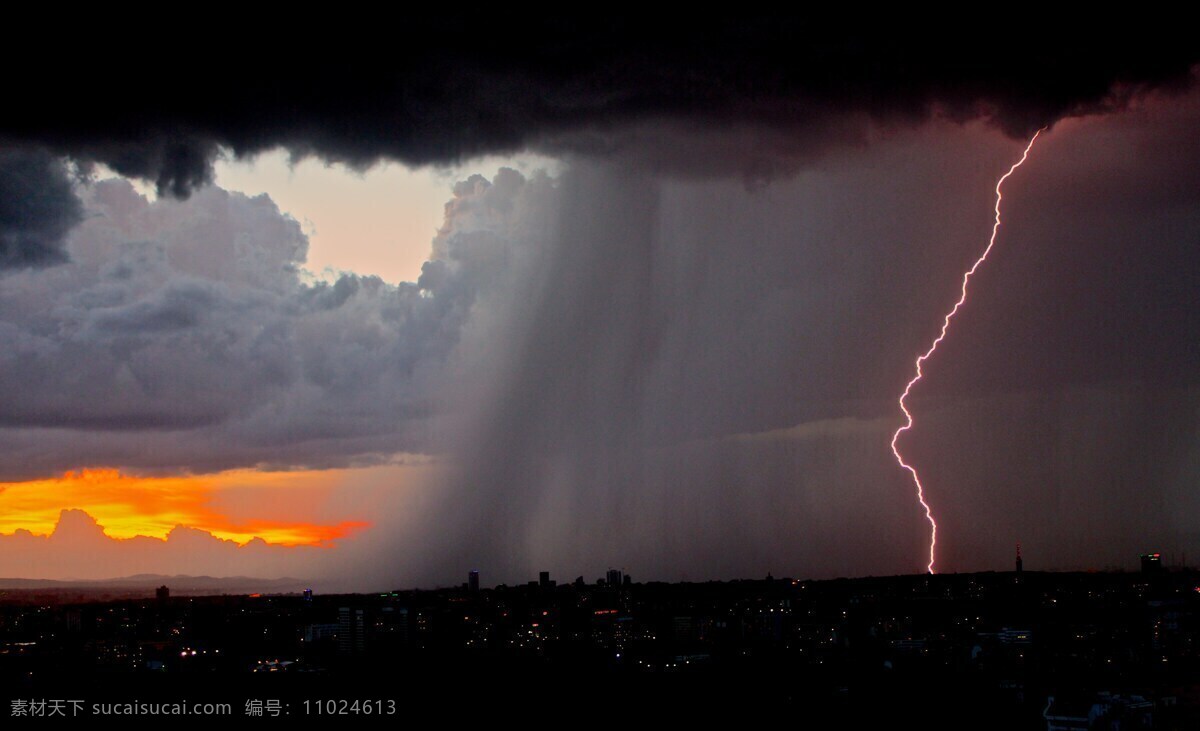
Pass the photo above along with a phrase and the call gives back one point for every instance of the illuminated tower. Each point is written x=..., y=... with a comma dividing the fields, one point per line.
x=1151, y=563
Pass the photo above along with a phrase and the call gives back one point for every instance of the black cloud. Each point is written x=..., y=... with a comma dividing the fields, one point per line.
x=37, y=208
x=442, y=89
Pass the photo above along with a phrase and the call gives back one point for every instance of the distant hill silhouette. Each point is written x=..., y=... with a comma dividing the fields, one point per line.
x=178, y=584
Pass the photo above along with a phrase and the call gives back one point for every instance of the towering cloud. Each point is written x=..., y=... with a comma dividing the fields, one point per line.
x=183, y=335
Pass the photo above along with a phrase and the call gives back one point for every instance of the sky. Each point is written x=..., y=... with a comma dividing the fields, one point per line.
x=521, y=308
x=378, y=221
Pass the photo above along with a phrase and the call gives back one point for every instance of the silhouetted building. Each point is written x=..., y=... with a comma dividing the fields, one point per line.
x=1151, y=563
x=626, y=580
x=1020, y=563
x=473, y=580
x=544, y=580
x=613, y=578
x=320, y=632
x=162, y=593
x=308, y=595
x=391, y=627
x=352, y=630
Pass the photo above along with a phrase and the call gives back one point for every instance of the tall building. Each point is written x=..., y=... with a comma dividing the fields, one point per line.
x=613, y=577
x=1020, y=563
x=308, y=595
x=352, y=631
x=162, y=593
x=391, y=627
x=473, y=580
x=544, y=580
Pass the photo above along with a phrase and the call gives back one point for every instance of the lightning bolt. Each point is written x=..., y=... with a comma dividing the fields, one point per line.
x=942, y=336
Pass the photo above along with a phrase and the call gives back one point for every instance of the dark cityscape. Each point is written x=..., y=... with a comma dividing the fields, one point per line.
x=1019, y=649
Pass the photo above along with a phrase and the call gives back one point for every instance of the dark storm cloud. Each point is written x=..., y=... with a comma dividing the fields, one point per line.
x=38, y=208
x=182, y=336
x=445, y=88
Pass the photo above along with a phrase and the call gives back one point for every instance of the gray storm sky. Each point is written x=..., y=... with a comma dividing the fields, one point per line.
x=682, y=360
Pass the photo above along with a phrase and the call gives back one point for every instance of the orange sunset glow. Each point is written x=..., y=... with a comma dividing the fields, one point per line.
x=224, y=504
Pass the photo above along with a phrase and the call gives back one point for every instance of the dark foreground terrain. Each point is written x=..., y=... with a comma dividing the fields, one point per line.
x=991, y=650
